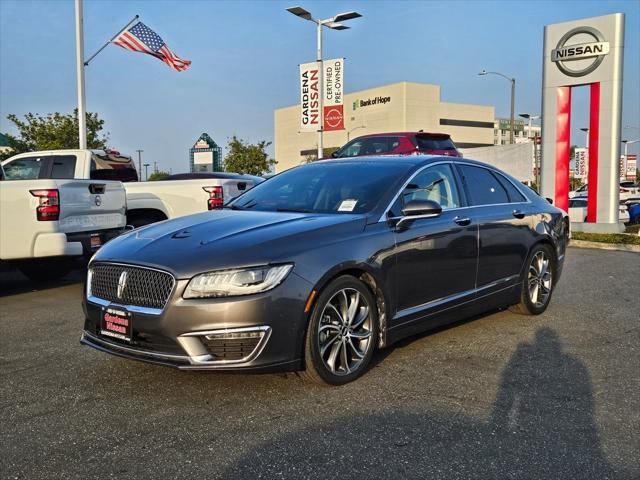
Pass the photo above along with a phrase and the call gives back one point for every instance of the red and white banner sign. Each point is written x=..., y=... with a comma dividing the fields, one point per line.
x=310, y=97
x=333, y=80
x=582, y=162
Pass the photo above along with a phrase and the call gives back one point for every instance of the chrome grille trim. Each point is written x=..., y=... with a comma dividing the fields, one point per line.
x=147, y=290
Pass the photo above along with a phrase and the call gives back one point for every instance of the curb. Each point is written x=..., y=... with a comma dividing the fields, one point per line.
x=621, y=247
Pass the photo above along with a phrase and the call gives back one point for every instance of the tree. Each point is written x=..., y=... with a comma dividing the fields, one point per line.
x=243, y=157
x=159, y=175
x=53, y=131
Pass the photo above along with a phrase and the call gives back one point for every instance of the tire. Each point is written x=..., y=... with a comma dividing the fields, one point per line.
x=337, y=352
x=46, y=270
x=537, y=282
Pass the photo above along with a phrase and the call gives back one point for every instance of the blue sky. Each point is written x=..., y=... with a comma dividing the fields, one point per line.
x=245, y=57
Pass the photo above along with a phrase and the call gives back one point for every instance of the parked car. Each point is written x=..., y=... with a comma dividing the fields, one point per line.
x=400, y=143
x=628, y=190
x=578, y=210
x=147, y=202
x=48, y=217
x=320, y=265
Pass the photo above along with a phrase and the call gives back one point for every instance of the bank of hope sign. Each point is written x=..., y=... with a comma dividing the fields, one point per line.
x=332, y=117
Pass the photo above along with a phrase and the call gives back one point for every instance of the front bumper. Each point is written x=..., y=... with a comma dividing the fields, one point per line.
x=188, y=334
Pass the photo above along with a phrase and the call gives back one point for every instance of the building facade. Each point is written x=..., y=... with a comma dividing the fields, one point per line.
x=521, y=131
x=398, y=107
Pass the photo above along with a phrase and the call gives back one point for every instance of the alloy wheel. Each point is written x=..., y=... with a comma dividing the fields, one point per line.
x=539, y=280
x=344, y=332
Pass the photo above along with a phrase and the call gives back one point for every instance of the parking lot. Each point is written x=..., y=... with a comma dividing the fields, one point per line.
x=502, y=396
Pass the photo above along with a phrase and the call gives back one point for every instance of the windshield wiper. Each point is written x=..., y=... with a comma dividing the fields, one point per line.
x=294, y=210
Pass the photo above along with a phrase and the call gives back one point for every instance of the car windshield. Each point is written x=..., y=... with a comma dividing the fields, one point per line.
x=326, y=187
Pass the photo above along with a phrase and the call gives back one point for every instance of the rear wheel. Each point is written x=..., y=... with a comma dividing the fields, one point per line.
x=537, y=284
x=342, y=332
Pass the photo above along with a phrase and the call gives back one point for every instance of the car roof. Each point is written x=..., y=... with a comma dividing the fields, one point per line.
x=202, y=175
x=402, y=134
x=413, y=160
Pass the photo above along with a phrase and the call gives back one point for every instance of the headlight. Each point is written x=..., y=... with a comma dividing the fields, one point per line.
x=227, y=283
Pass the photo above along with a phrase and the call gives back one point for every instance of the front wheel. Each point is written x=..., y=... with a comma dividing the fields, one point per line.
x=537, y=284
x=342, y=332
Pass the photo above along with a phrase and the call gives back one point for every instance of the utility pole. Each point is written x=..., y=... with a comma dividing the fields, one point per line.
x=155, y=167
x=140, y=160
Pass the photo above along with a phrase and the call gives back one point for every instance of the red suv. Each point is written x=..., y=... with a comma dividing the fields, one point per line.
x=399, y=143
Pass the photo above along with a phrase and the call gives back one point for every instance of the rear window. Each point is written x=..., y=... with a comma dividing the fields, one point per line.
x=63, y=166
x=514, y=194
x=427, y=142
x=109, y=167
x=28, y=168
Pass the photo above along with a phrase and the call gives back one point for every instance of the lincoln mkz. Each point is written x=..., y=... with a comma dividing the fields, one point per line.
x=319, y=266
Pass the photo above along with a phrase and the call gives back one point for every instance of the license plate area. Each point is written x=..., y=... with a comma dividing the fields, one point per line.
x=115, y=322
x=95, y=241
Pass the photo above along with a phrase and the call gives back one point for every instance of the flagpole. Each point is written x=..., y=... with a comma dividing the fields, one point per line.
x=111, y=39
x=82, y=118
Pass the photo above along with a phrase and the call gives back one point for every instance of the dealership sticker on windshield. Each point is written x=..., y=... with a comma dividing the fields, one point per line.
x=347, y=205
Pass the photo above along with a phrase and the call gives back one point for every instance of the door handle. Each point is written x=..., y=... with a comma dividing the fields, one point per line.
x=464, y=221
x=518, y=213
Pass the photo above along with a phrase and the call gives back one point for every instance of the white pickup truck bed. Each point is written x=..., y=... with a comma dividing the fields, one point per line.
x=148, y=202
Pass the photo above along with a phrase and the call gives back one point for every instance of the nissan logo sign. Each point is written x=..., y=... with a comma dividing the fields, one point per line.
x=98, y=200
x=580, y=52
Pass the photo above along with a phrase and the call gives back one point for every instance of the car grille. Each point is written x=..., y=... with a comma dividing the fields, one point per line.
x=144, y=287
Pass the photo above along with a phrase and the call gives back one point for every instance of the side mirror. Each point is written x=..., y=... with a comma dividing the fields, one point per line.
x=334, y=154
x=416, y=209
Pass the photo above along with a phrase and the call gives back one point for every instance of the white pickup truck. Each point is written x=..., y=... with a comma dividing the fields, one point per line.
x=47, y=217
x=149, y=202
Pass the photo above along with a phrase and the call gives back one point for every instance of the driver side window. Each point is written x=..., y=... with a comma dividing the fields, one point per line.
x=436, y=183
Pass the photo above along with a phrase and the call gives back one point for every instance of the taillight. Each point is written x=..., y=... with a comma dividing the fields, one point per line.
x=623, y=190
x=48, y=208
x=216, y=197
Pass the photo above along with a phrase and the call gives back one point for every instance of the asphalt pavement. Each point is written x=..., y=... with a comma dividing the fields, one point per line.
x=501, y=396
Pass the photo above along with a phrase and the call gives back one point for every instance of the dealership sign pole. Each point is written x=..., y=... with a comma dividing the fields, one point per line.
x=578, y=53
x=82, y=119
x=333, y=83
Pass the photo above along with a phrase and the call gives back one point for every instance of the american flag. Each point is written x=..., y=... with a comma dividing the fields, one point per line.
x=140, y=38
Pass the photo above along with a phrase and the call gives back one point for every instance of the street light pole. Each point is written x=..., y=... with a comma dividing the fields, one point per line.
x=140, y=160
x=353, y=129
x=334, y=24
x=321, y=85
x=586, y=136
x=146, y=172
x=512, y=119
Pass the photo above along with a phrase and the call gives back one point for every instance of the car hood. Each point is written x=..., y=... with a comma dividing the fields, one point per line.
x=228, y=239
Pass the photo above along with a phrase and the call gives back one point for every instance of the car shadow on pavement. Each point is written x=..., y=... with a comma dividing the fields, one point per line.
x=541, y=425
x=13, y=282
